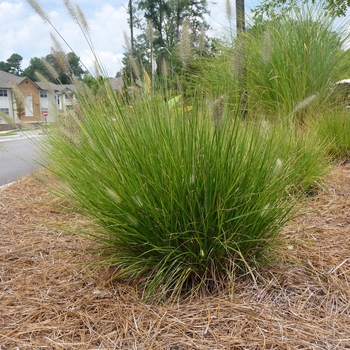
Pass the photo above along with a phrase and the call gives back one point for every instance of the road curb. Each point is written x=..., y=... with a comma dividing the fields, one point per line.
x=19, y=136
x=9, y=184
x=10, y=138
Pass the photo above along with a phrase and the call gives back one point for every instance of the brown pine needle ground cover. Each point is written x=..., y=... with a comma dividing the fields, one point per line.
x=50, y=298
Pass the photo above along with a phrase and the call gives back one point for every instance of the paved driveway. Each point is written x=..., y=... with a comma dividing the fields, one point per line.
x=19, y=156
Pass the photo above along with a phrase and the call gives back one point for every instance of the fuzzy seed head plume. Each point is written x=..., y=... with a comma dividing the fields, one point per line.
x=266, y=47
x=83, y=89
x=71, y=10
x=306, y=102
x=44, y=81
x=185, y=49
x=150, y=31
x=134, y=66
x=39, y=10
x=127, y=42
x=57, y=46
x=61, y=61
x=18, y=94
x=228, y=10
x=217, y=108
x=51, y=70
x=164, y=67
x=82, y=19
x=238, y=56
x=201, y=40
x=278, y=166
x=6, y=118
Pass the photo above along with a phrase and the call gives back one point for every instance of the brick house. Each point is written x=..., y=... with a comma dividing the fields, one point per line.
x=40, y=102
x=10, y=104
x=60, y=96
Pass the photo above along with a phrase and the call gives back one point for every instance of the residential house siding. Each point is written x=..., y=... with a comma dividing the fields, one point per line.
x=31, y=110
x=38, y=98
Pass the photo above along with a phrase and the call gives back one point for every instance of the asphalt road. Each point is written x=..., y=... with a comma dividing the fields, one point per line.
x=18, y=157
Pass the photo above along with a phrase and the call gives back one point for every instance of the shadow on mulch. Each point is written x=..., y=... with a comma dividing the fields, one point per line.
x=51, y=299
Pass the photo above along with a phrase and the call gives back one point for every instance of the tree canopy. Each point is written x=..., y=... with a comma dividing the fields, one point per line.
x=269, y=8
x=12, y=65
x=162, y=27
x=64, y=71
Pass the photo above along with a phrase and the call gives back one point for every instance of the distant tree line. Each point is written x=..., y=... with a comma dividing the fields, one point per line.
x=167, y=30
x=56, y=67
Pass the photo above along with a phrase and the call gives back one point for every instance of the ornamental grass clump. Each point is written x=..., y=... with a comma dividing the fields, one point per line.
x=334, y=127
x=181, y=197
x=291, y=63
x=294, y=58
x=180, y=204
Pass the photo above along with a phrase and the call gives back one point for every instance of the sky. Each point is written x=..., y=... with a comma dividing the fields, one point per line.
x=25, y=33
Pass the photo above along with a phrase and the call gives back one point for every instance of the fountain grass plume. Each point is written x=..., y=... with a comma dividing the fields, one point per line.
x=39, y=10
x=127, y=42
x=82, y=19
x=266, y=46
x=201, y=41
x=77, y=15
x=134, y=66
x=217, y=110
x=165, y=68
x=18, y=93
x=51, y=70
x=302, y=105
x=61, y=61
x=72, y=11
x=228, y=8
x=185, y=44
x=44, y=80
x=7, y=119
x=306, y=102
x=150, y=33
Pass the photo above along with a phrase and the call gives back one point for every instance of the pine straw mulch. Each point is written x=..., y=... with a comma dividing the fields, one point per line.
x=50, y=299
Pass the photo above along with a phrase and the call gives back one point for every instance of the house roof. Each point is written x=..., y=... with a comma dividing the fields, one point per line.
x=116, y=83
x=7, y=78
x=56, y=87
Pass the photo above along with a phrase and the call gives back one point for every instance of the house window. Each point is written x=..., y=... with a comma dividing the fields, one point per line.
x=43, y=94
x=5, y=110
x=57, y=100
x=68, y=97
x=3, y=92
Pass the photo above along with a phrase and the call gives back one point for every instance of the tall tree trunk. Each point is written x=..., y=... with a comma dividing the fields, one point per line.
x=178, y=23
x=131, y=22
x=161, y=41
x=241, y=71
